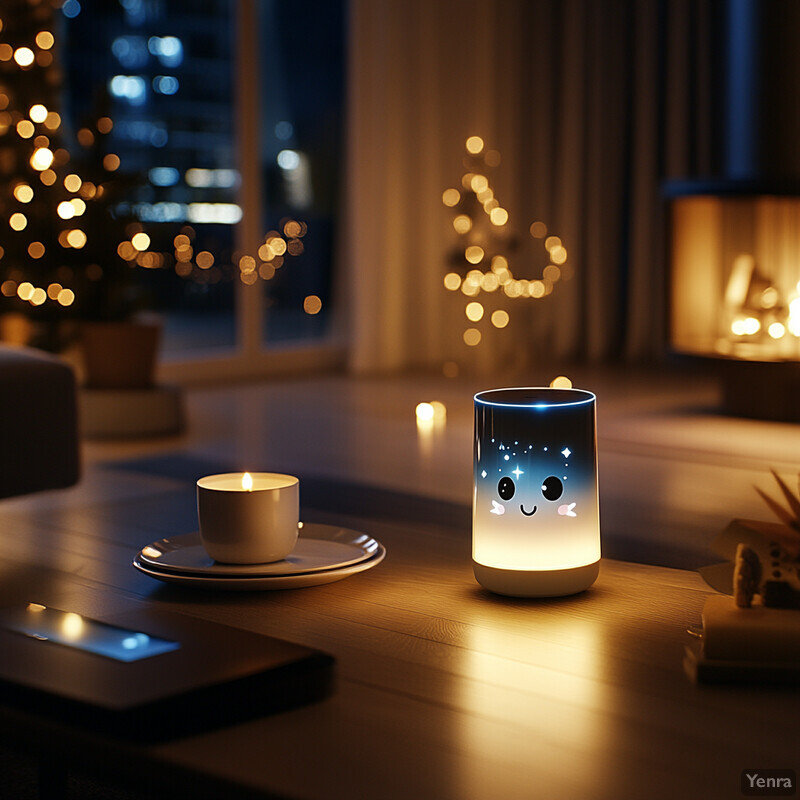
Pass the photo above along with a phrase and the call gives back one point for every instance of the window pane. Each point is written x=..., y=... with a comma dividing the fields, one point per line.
x=145, y=91
x=163, y=73
x=302, y=69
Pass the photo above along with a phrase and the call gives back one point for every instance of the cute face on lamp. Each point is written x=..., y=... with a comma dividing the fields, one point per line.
x=535, y=505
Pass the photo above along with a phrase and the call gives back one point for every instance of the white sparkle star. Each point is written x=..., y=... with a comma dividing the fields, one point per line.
x=566, y=452
x=517, y=472
x=483, y=474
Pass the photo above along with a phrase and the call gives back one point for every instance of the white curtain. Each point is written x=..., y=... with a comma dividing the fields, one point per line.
x=574, y=95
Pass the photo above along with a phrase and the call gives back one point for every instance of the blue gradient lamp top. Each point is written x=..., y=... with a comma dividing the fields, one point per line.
x=535, y=500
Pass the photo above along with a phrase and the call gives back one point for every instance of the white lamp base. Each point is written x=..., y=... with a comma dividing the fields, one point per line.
x=535, y=582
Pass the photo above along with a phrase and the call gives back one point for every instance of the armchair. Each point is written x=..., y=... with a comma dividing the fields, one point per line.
x=39, y=442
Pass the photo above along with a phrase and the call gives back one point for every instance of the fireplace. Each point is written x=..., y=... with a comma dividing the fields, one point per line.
x=734, y=237
x=735, y=289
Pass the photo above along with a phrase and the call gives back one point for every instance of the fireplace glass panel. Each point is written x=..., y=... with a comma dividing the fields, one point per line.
x=735, y=277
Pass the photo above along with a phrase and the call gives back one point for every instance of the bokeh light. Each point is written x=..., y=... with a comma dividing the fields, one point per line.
x=500, y=318
x=472, y=337
x=312, y=304
x=474, y=311
x=18, y=221
x=38, y=112
x=452, y=281
x=451, y=197
x=42, y=158
x=475, y=145
x=141, y=241
x=23, y=193
x=24, y=56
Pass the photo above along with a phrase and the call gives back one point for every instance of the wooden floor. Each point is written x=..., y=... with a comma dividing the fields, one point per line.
x=673, y=470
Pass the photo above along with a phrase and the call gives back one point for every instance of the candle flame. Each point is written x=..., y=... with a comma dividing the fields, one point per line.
x=247, y=482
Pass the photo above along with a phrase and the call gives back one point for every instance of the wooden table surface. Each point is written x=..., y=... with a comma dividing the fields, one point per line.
x=443, y=690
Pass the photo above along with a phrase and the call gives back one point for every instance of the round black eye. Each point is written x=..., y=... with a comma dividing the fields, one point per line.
x=506, y=488
x=552, y=488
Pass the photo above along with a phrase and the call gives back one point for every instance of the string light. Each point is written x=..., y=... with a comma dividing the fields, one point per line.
x=24, y=56
x=140, y=241
x=38, y=113
x=482, y=236
x=23, y=193
x=475, y=145
x=72, y=183
x=45, y=40
x=18, y=221
x=48, y=161
x=312, y=304
x=76, y=238
x=42, y=158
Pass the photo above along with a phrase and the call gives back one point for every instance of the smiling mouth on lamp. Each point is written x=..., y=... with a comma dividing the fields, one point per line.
x=527, y=513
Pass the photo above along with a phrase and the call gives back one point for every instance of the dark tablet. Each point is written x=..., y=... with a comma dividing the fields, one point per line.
x=149, y=675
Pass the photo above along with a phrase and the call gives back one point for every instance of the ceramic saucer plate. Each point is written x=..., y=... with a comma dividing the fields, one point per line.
x=251, y=583
x=319, y=547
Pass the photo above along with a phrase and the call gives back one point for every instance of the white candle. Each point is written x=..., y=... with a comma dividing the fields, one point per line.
x=248, y=518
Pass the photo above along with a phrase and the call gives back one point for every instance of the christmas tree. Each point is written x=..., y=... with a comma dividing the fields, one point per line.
x=60, y=242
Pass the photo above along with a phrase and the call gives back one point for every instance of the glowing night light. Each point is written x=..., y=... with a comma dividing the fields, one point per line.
x=535, y=517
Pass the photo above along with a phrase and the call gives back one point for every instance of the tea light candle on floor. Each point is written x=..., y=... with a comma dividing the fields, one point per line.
x=248, y=518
